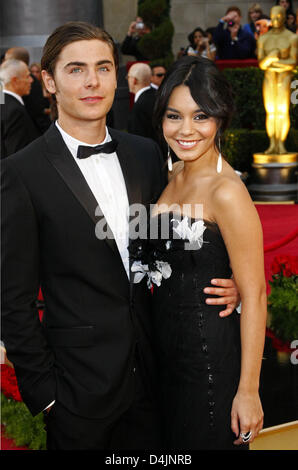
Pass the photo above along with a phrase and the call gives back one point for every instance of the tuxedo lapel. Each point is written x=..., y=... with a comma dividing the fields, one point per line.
x=131, y=170
x=59, y=156
x=130, y=166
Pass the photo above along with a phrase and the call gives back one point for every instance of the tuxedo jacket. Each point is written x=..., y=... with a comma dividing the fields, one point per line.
x=17, y=128
x=141, y=115
x=95, y=321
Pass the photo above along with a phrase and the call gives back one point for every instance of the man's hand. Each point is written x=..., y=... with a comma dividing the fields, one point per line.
x=228, y=294
x=234, y=30
x=132, y=28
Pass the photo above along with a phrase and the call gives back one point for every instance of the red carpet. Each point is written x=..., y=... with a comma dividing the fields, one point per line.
x=278, y=221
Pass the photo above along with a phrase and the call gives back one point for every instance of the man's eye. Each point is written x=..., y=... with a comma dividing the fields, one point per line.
x=76, y=70
x=103, y=68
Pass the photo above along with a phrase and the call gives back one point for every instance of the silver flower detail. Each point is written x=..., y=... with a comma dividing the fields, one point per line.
x=163, y=270
x=193, y=233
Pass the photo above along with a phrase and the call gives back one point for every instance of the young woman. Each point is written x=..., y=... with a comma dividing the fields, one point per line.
x=200, y=45
x=209, y=366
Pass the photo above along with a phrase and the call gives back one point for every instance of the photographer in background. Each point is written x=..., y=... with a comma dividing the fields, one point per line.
x=200, y=45
x=136, y=30
x=231, y=40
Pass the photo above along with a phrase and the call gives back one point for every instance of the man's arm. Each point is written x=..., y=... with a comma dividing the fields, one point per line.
x=245, y=46
x=219, y=33
x=22, y=333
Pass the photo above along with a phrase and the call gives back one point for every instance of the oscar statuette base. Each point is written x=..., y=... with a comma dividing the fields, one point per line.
x=274, y=177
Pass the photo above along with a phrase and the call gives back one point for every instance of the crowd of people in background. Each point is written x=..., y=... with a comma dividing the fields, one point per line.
x=28, y=110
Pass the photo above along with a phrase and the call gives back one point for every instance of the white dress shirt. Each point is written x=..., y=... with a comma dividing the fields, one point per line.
x=105, y=179
x=138, y=93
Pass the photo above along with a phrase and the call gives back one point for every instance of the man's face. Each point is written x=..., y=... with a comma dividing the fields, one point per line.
x=84, y=81
x=254, y=15
x=158, y=74
x=22, y=83
x=235, y=17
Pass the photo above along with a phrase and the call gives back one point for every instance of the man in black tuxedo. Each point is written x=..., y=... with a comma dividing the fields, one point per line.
x=89, y=363
x=141, y=114
x=34, y=101
x=17, y=128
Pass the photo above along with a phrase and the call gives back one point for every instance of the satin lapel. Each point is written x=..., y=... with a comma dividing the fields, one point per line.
x=60, y=157
x=131, y=169
x=130, y=166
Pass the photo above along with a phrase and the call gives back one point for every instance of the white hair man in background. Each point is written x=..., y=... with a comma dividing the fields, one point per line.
x=17, y=128
x=140, y=119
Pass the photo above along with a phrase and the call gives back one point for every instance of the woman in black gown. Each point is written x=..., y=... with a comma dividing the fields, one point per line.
x=209, y=366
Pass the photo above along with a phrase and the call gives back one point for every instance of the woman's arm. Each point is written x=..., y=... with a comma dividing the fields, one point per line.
x=242, y=232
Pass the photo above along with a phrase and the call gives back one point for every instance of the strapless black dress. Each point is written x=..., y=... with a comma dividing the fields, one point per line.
x=198, y=352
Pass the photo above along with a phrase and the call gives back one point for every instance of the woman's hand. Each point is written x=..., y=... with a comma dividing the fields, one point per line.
x=246, y=415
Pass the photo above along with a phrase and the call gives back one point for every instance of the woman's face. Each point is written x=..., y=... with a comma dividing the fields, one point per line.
x=188, y=131
x=255, y=15
x=284, y=3
x=197, y=37
x=36, y=72
x=291, y=19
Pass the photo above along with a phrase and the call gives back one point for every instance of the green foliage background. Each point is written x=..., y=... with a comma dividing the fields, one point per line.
x=247, y=132
x=157, y=45
x=283, y=307
x=21, y=426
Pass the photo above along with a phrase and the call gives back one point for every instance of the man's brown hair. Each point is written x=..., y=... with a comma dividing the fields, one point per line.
x=233, y=8
x=71, y=32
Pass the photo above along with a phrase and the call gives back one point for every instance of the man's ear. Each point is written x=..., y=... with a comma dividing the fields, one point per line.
x=48, y=81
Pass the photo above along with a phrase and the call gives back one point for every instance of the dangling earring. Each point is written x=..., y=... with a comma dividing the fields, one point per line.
x=170, y=163
x=219, y=160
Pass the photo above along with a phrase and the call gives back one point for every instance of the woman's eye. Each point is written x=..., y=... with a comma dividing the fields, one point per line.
x=172, y=116
x=201, y=117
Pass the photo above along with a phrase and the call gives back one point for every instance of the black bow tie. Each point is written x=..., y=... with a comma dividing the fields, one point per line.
x=84, y=151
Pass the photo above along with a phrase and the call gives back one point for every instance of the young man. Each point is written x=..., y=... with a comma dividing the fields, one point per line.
x=233, y=42
x=89, y=362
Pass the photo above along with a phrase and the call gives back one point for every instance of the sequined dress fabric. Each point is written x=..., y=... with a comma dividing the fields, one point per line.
x=198, y=352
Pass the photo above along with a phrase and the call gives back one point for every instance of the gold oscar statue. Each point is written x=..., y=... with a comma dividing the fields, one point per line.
x=277, y=56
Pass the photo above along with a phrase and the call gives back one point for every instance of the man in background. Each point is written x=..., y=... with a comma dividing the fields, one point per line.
x=137, y=29
x=139, y=83
x=17, y=128
x=158, y=74
x=34, y=102
x=233, y=42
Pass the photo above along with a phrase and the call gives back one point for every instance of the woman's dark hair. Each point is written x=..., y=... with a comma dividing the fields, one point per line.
x=191, y=36
x=208, y=88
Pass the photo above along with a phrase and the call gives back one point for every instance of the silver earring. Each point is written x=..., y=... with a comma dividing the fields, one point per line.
x=219, y=160
x=170, y=163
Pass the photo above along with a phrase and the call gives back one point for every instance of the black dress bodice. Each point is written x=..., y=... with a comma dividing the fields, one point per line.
x=198, y=352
